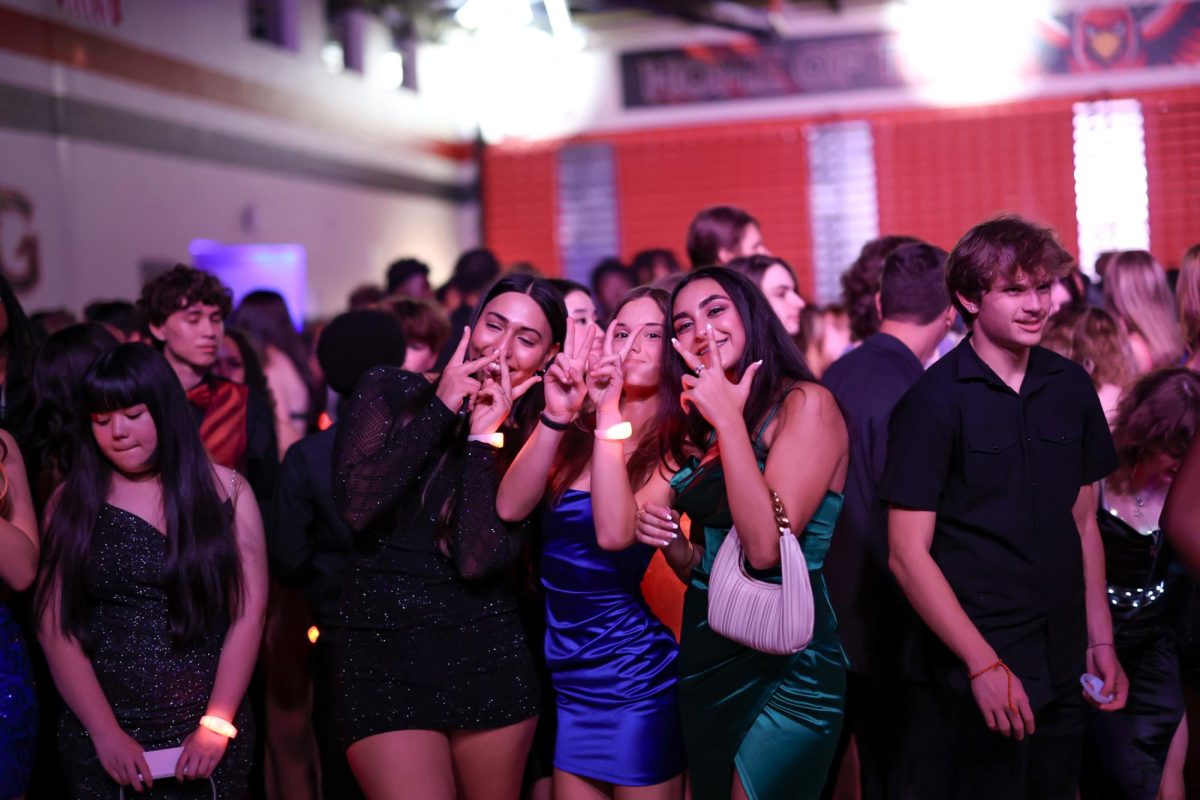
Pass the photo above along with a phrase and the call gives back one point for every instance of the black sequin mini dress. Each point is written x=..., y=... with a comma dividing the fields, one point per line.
x=428, y=634
x=158, y=690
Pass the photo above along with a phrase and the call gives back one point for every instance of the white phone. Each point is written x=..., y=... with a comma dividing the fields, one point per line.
x=162, y=762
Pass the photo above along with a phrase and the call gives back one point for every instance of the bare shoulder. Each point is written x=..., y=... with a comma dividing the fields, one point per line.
x=810, y=402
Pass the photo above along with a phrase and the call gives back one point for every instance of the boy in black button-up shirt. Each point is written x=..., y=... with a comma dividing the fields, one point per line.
x=993, y=538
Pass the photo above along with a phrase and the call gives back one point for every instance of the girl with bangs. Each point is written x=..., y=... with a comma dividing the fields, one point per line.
x=592, y=459
x=152, y=592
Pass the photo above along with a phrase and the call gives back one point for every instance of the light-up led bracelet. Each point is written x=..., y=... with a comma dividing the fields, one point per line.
x=496, y=439
x=615, y=433
x=219, y=726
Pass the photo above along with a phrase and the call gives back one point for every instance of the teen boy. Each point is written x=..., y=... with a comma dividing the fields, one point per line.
x=184, y=310
x=993, y=537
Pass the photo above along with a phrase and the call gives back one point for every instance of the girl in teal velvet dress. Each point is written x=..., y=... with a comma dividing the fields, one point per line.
x=749, y=419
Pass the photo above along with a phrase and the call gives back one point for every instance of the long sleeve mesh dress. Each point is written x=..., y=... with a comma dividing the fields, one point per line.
x=428, y=635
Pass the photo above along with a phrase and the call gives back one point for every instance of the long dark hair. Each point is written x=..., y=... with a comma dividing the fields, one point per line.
x=58, y=371
x=575, y=451
x=782, y=365
x=523, y=417
x=264, y=316
x=202, y=572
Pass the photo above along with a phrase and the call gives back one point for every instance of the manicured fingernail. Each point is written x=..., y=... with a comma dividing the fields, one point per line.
x=674, y=341
x=674, y=536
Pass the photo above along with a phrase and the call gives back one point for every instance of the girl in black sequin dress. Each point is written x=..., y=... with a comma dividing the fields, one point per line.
x=152, y=592
x=436, y=689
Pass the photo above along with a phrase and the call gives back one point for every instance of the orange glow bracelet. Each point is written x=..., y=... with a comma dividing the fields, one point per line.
x=496, y=439
x=219, y=726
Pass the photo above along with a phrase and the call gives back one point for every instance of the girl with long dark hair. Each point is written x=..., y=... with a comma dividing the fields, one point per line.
x=612, y=663
x=152, y=591
x=436, y=690
x=58, y=370
x=264, y=316
x=746, y=427
x=18, y=566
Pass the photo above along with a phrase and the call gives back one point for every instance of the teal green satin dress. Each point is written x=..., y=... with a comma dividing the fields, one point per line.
x=777, y=718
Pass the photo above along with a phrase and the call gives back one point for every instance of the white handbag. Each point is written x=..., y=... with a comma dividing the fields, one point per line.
x=770, y=617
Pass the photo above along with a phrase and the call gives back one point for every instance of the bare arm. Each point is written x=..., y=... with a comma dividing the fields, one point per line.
x=244, y=636
x=18, y=523
x=524, y=483
x=119, y=754
x=614, y=506
x=1181, y=514
x=1101, y=652
x=204, y=748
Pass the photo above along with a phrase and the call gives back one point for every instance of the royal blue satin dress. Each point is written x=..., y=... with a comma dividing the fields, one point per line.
x=612, y=663
x=18, y=709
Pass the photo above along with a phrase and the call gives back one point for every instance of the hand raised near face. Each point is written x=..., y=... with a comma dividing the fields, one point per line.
x=458, y=381
x=606, y=377
x=493, y=402
x=709, y=390
x=565, y=390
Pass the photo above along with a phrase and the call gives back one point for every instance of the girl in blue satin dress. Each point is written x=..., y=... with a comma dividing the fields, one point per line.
x=612, y=663
x=750, y=419
x=18, y=567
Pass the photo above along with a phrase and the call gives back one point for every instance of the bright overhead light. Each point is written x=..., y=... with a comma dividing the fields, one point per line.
x=387, y=72
x=967, y=51
x=478, y=14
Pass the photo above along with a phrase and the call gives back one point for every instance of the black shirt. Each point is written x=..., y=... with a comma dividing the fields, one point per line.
x=1003, y=470
x=309, y=545
x=872, y=613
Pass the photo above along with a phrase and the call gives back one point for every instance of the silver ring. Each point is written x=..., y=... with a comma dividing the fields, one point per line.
x=700, y=368
x=140, y=777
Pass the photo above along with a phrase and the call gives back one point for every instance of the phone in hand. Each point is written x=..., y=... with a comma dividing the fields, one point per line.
x=162, y=762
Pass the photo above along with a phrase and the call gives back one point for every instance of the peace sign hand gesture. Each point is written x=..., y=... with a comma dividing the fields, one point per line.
x=606, y=378
x=709, y=390
x=458, y=378
x=565, y=390
x=491, y=405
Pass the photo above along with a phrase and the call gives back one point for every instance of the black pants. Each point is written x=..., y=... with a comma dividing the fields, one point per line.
x=948, y=752
x=876, y=714
x=337, y=780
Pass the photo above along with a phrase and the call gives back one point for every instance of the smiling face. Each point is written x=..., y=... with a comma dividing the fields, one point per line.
x=581, y=310
x=192, y=335
x=514, y=322
x=641, y=366
x=1013, y=312
x=780, y=288
x=128, y=438
x=702, y=303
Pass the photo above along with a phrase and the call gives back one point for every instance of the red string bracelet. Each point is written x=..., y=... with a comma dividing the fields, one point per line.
x=1007, y=672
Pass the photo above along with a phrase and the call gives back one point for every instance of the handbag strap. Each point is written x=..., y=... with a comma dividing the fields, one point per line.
x=781, y=519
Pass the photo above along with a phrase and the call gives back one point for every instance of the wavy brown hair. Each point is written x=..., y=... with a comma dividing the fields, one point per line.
x=1159, y=415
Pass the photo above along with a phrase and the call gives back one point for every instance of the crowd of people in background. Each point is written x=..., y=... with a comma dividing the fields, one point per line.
x=401, y=553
